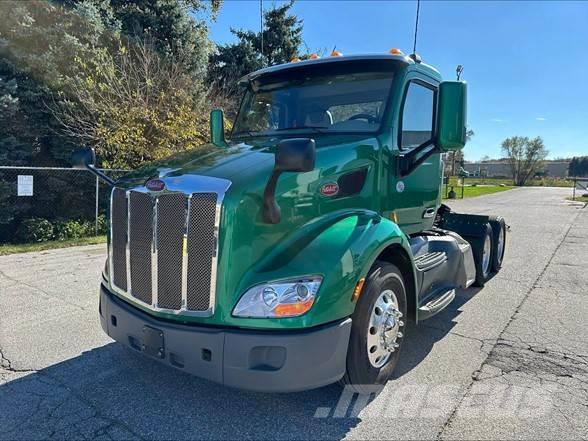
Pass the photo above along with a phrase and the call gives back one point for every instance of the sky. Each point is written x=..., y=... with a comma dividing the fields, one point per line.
x=526, y=63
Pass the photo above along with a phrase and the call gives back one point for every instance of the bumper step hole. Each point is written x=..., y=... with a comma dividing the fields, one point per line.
x=113, y=320
x=206, y=354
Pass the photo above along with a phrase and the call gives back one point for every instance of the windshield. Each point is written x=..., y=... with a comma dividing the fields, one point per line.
x=334, y=102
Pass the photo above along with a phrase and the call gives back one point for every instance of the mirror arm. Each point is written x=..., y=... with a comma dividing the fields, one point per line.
x=271, y=209
x=101, y=175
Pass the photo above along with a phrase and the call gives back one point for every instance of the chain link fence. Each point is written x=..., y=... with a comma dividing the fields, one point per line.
x=54, y=194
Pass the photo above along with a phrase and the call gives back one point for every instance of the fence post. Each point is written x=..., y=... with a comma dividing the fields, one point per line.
x=96, y=214
x=575, y=183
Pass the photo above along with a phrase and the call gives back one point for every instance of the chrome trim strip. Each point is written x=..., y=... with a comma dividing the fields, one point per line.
x=110, y=267
x=128, y=246
x=187, y=185
x=154, y=247
x=185, y=256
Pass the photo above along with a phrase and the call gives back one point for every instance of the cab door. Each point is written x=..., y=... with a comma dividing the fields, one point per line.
x=415, y=197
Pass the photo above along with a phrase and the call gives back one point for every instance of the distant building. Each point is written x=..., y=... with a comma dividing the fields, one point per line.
x=501, y=169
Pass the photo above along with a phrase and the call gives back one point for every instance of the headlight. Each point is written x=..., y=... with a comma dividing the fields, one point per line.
x=284, y=298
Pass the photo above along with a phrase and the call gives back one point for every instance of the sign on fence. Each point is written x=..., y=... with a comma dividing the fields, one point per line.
x=24, y=185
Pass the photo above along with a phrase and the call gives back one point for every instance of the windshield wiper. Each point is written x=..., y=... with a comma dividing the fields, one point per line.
x=319, y=129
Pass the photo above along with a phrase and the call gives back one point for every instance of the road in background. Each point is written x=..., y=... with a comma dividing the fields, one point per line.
x=506, y=361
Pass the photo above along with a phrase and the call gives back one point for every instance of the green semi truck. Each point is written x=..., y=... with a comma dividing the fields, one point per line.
x=291, y=255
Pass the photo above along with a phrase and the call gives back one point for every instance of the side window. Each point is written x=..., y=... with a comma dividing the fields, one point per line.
x=417, y=116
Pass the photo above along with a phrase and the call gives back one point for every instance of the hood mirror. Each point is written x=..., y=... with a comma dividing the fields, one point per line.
x=292, y=155
x=86, y=159
x=217, y=128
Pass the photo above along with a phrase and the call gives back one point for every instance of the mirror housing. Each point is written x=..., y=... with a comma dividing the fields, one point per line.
x=292, y=155
x=452, y=116
x=86, y=159
x=83, y=158
x=217, y=128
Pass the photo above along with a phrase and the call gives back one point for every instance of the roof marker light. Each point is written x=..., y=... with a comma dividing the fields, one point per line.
x=395, y=51
x=314, y=56
x=336, y=53
x=295, y=60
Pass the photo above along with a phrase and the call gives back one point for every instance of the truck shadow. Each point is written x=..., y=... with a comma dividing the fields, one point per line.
x=111, y=392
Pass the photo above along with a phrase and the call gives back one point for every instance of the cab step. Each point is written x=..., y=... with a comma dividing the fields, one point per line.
x=436, y=304
x=428, y=261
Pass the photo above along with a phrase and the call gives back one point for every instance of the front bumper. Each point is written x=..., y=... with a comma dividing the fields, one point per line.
x=264, y=361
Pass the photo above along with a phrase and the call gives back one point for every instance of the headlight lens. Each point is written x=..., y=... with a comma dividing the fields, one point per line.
x=284, y=298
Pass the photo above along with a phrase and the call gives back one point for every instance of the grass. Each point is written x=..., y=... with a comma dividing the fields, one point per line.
x=579, y=198
x=478, y=190
x=40, y=246
x=539, y=182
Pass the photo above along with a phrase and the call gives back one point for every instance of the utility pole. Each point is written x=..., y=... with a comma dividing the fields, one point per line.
x=261, y=26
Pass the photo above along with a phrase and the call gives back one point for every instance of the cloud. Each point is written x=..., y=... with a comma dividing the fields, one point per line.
x=498, y=120
x=540, y=118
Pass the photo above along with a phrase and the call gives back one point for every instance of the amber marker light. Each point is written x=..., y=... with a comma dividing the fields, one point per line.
x=314, y=56
x=357, y=290
x=395, y=51
x=295, y=60
x=336, y=54
x=293, y=309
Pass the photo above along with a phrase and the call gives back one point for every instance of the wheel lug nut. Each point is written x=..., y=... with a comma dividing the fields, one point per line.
x=400, y=335
x=400, y=323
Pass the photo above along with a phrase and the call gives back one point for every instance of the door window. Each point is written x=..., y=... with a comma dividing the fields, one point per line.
x=417, y=116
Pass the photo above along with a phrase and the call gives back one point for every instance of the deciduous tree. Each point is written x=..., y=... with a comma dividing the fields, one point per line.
x=525, y=157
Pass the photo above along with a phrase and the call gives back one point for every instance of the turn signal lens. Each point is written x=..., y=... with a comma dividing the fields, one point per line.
x=395, y=51
x=293, y=309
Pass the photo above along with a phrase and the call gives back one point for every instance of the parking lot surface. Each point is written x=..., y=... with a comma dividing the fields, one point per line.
x=506, y=361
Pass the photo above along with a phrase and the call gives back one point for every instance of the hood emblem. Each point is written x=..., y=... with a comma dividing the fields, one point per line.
x=155, y=185
x=329, y=189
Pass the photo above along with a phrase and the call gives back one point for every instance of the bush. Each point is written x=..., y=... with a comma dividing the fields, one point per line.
x=102, y=225
x=34, y=230
x=73, y=229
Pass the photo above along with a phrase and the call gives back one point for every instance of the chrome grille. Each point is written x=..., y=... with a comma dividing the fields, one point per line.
x=171, y=223
x=201, y=242
x=163, y=246
x=141, y=235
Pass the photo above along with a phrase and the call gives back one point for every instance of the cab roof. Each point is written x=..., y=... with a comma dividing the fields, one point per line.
x=403, y=59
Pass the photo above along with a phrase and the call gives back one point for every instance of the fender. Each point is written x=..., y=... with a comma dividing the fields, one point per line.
x=341, y=247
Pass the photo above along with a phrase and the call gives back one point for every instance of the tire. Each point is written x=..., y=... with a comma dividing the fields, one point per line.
x=383, y=281
x=499, y=231
x=483, y=267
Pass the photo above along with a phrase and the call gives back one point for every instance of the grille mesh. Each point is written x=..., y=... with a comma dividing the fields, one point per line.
x=171, y=222
x=176, y=271
x=201, y=249
x=140, y=238
x=119, y=238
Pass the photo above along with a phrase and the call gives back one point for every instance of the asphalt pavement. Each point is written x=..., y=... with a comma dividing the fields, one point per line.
x=509, y=361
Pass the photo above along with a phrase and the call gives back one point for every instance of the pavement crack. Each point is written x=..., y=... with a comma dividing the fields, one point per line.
x=6, y=364
x=500, y=340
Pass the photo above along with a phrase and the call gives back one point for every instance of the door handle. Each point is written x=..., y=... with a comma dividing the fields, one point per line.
x=429, y=212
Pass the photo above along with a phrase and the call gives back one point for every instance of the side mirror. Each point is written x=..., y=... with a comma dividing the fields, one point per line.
x=83, y=158
x=217, y=128
x=292, y=155
x=86, y=159
x=452, y=116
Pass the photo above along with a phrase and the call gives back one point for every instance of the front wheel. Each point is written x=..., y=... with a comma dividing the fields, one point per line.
x=377, y=329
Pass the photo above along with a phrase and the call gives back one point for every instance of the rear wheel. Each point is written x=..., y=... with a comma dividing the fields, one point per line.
x=482, y=248
x=377, y=330
x=499, y=230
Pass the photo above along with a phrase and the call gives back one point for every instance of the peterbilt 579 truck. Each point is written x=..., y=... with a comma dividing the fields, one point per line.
x=291, y=255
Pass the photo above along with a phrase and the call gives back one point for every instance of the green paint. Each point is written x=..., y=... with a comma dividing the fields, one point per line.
x=338, y=238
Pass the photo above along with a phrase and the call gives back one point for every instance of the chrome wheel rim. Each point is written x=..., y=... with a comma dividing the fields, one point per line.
x=486, y=254
x=500, y=245
x=384, y=329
